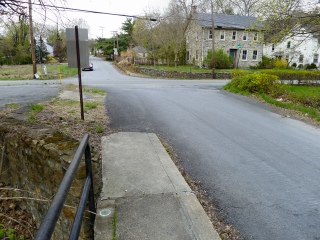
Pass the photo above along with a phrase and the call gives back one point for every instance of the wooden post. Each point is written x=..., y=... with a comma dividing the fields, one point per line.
x=33, y=49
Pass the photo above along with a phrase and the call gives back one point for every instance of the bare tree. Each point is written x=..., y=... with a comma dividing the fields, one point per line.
x=80, y=22
x=246, y=7
x=283, y=19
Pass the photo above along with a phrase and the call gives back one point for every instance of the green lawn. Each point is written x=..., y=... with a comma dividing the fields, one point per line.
x=24, y=72
x=305, y=99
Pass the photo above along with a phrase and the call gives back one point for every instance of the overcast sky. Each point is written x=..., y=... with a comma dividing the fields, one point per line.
x=105, y=24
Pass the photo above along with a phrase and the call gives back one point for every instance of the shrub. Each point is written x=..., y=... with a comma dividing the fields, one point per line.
x=238, y=73
x=257, y=83
x=266, y=63
x=281, y=63
x=222, y=60
x=311, y=66
x=300, y=66
x=308, y=77
x=294, y=65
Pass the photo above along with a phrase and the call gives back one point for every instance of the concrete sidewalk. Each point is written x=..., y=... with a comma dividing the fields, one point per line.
x=146, y=194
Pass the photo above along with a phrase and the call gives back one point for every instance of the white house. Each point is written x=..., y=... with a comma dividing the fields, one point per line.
x=300, y=49
x=49, y=49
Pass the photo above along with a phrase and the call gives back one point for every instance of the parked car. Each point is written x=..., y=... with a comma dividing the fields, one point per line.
x=89, y=68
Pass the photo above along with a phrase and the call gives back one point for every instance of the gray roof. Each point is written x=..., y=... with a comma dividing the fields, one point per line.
x=227, y=21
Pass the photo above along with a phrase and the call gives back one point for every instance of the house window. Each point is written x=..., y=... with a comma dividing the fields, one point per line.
x=301, y=58
x=196, y=36
x=197, y=54
x=187, y=40
x=188, y=56
x=245, y=36
x=222, y=35
x=272, y=48
x=244, y=55
x=315, y=58
x=255, y=55
x=288, y=44
x=210, y=34
x=234, y=36
x=255, y=37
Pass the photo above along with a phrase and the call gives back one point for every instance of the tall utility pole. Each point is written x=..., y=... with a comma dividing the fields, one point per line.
x=102, y=28
x=33, y=49
x=213, y=60
x=115, y=36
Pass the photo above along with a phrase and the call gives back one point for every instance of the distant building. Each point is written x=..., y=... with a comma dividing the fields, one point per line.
x=238, y=36
x=301, y=49
x=49, y=49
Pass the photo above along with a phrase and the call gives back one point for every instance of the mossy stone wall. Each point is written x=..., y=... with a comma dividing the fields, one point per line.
x=34, y=159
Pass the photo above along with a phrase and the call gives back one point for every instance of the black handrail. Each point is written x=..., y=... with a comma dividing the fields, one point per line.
x=49, y=222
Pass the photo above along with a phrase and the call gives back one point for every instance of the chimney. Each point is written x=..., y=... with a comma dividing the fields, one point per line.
x=194, y=9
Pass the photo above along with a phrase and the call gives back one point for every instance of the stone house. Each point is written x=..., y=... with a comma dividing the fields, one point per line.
x=238, y=36
x=301, y=48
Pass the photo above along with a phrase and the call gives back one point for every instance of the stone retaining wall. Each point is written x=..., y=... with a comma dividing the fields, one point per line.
x=34, y=159
x=182, y=75
x=173, y=74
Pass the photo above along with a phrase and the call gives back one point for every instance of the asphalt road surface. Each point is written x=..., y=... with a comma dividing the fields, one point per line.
x=262, y=169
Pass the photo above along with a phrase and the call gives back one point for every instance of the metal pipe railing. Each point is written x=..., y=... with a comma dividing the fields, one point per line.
x=49, y=222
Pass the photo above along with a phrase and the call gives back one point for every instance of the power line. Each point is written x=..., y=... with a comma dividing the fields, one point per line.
x=159, y=18
x=80, y=10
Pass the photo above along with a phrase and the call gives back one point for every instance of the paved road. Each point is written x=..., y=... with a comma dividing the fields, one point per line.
x=262, y=169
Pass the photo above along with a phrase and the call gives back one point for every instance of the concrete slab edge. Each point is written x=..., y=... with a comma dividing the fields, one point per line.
x=198, y=220
x=200, y=224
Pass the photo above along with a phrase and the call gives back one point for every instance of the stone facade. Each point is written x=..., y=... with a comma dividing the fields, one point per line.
x=34, y=159
x=245, y=46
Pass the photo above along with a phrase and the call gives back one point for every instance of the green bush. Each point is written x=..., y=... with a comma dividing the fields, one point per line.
x=256, y=83
x=266, y=63
x=294, y=65
x=238, y=73
x=222, y=60
x=311, y=66
x=307, y=76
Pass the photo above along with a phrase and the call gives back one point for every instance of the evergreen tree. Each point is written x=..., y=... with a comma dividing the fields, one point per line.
x=41, y=51
x=127, y=28
x=59, y=49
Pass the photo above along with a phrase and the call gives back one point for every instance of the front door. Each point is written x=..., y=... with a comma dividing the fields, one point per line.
x=233, y=54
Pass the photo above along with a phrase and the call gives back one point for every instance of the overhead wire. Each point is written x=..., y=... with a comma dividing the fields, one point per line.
x=158, y=18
